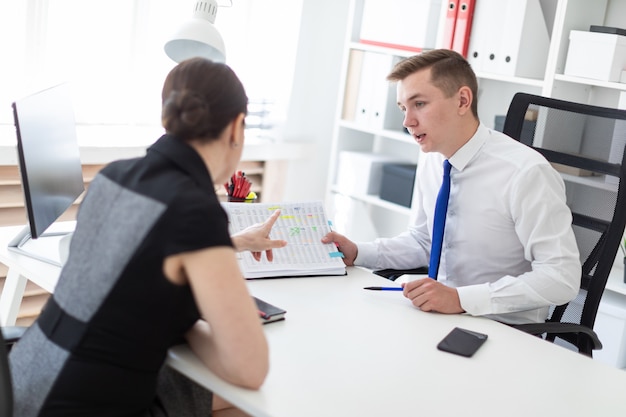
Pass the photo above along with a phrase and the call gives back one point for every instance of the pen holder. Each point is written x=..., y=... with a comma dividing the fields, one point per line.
x=241, y=200
x=238, y=189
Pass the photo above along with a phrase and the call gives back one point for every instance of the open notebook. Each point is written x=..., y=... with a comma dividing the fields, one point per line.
x=302, y=225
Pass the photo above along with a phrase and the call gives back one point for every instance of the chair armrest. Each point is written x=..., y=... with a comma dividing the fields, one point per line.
x=560, y=328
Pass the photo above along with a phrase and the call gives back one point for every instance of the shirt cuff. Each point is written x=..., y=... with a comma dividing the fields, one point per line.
x=366, y=255
x=475, y=299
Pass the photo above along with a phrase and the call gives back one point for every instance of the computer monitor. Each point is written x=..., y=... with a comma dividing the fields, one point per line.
x=49, y=161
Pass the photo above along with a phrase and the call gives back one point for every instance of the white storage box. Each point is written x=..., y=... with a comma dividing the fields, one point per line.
x=596, y=55
x=403, y=24
x=361, y=173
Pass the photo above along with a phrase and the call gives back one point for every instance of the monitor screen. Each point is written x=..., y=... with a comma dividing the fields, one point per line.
x=48, y=154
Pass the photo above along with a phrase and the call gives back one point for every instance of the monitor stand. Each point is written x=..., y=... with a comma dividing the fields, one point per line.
x=51, y=247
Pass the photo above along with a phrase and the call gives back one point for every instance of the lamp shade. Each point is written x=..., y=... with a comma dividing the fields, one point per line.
x=198, y=37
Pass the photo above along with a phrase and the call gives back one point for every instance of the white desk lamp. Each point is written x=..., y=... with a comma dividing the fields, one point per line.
x=198, y=36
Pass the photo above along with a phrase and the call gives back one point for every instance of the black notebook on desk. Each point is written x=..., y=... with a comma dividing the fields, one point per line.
x=269, y=312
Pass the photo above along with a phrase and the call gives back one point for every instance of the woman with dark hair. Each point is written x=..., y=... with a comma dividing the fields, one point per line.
x=151, y=265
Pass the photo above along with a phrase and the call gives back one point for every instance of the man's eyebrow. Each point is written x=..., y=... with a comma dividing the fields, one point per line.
x=413, y=97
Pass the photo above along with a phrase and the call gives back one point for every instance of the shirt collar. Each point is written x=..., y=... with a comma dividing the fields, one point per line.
x=464, y=155
x=185, y=157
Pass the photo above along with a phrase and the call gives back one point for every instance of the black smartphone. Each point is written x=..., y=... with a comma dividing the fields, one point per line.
x=462, y=342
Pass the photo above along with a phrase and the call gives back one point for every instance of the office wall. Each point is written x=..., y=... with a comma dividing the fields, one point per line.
x=313, y=102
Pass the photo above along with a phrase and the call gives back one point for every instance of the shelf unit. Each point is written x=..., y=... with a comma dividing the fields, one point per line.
x=358, y=215
x=365, y=217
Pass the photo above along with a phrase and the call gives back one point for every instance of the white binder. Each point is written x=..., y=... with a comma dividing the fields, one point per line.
x=482, y=43
x=525, y=41
x=353, y=83
x=373, y=90
x=509, y=37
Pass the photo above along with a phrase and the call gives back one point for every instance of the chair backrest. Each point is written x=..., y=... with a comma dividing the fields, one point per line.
x=6, y=388
x=586, y=144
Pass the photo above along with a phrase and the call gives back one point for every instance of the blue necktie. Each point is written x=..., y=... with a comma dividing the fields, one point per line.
x=439, y=223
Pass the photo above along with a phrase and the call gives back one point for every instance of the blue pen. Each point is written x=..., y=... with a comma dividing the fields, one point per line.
x=383, y=288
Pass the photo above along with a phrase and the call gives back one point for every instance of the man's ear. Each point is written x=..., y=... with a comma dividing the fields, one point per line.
x=465, y=100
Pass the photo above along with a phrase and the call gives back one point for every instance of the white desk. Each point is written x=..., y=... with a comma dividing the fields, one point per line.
x=22, y=268
x=344, y=351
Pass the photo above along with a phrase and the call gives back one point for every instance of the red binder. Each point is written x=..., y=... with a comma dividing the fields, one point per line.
x=448, y=34
x=463, y=26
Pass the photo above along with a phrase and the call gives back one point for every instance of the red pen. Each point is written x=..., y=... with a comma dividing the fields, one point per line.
x=244, y=184
x=238, y=180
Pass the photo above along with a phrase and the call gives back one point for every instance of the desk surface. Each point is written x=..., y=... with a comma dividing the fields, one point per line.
x=43, y=274
x=344, y=351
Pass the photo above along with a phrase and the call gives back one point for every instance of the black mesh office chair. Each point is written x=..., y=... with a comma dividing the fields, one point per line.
x=586, y=144
x=6, y=388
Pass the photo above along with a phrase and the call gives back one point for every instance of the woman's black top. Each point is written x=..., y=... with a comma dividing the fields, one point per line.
x=100, y=341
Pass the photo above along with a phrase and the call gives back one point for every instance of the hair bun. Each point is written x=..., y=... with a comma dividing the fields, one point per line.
x=185, y=112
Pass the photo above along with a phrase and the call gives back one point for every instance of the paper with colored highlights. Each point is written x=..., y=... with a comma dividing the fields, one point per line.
x=302, y=225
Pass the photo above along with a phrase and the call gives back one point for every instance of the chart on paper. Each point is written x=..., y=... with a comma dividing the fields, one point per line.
x=302, y=225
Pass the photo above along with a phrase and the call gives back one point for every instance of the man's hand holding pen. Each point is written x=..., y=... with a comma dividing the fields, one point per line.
x=425, y=293
x=430, y=295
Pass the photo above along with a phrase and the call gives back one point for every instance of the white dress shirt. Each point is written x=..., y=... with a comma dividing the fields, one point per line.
x=508, y=245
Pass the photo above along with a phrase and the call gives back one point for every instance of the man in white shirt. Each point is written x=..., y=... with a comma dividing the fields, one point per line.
x=509, y=251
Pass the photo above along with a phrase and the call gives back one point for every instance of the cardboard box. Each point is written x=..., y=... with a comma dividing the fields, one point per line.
x=361, y=172
x=397, y=183
x=600, y=56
